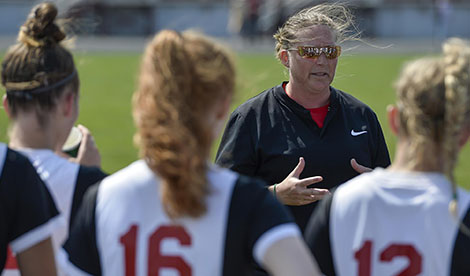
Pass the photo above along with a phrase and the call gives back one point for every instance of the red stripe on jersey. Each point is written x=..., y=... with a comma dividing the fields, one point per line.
x=11, y=260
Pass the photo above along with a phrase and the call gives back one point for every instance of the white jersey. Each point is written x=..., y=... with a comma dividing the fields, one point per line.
x=60, y=176
x=66, y=187
x=391, y=223
x=28, y=214
x=122, y=228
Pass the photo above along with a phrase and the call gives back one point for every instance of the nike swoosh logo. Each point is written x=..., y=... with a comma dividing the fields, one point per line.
x=353, y=133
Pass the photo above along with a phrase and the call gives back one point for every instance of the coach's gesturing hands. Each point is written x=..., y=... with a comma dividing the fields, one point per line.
x=358, y=167
x=294, y=191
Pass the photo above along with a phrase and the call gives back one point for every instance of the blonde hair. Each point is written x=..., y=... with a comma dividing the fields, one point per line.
x=335, y=16
x=36, y=69
x=182, y=78
x=433, y=100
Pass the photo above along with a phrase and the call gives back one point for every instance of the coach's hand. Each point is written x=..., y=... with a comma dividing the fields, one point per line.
x=88, y=154
x=294, y=191
x=358, y=167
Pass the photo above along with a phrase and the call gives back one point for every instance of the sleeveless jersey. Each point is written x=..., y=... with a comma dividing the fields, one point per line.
x=122, y=228
x=67, y=182
x=392, y=223
x=27, y=211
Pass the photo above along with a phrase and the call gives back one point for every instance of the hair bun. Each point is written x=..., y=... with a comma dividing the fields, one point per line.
x=40, y=29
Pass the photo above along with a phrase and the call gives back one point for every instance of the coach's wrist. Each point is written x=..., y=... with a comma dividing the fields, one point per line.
x=273, y=190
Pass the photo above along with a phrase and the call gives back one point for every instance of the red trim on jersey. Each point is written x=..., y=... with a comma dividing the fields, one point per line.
x=11, y=260
x=318, y=114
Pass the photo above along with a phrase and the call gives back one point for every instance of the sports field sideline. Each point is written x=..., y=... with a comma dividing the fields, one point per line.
x=266, y=44
x=108, y=68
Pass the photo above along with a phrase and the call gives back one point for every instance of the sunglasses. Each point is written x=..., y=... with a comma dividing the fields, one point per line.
x=331, y=52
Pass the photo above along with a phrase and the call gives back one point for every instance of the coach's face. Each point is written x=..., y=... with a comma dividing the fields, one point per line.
x=313, y=74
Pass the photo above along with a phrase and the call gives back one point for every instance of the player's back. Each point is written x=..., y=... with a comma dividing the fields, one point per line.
x=387, y=223
x=67, y=182
x=28, y=214
x=134, y=233
x=139, y=222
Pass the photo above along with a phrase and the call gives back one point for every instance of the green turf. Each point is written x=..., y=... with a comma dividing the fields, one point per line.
x=107, y=84
x=108, y=81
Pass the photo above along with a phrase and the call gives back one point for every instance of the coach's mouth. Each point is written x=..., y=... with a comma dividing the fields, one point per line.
x=320, y=74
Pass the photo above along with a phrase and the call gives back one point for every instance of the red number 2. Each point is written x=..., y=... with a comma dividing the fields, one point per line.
x=363, y=256
x=156, y=260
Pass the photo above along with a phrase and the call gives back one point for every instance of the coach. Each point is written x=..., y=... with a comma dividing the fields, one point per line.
x=305, y=123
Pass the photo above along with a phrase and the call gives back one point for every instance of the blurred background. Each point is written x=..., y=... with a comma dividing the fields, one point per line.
x=109, y=36
x=247, y=18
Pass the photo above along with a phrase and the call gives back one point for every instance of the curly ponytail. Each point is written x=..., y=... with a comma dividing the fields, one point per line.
x=183, y=76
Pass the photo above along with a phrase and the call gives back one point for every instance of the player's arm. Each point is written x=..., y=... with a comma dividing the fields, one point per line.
x=34, y=216
x=87, y=176
x=278, y=258
x=317, y=236
x=38, y=260
x=461, y=253
x=80, y=254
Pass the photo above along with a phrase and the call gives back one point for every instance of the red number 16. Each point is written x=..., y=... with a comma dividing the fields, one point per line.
x=155, y=259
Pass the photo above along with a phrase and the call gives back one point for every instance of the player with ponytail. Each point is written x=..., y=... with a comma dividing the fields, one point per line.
x=174, y=134
x=413, y=209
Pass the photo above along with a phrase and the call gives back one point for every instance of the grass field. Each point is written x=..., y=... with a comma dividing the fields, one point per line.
x=108, y=81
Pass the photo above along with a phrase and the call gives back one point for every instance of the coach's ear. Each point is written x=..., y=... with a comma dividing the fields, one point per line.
x=6, y=106
x=284, y=56
x=393, y=119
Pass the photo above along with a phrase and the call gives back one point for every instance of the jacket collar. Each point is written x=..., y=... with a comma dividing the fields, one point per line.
x=284, y=99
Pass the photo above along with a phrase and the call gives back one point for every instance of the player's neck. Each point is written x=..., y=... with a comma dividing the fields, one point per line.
x=406, y=159
x=26, y=132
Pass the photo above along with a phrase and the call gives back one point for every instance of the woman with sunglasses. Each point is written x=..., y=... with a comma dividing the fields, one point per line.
x=305, y=122
x=411, y=218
